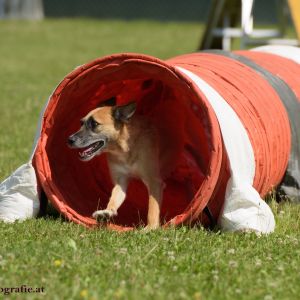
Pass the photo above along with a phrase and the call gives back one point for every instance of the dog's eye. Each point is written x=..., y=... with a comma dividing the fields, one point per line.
x=94, y=124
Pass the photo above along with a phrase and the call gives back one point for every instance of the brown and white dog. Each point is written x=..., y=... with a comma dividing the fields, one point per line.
x=132, y=147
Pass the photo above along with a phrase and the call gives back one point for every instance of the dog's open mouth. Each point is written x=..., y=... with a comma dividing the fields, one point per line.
x=91, y=151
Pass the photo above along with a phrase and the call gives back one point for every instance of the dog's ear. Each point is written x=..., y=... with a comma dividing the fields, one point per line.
x=109, y=102
x=124, y=113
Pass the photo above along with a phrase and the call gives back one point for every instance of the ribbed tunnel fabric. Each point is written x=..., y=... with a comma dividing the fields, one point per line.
x=188, y=98
x=280, y=70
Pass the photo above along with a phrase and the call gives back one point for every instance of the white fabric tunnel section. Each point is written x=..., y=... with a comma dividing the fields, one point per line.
x=19, y=195
x=289, y=52
x=243, y=207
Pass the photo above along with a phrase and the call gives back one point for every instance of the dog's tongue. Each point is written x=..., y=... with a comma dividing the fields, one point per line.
x=86, y=152
x=91, y=150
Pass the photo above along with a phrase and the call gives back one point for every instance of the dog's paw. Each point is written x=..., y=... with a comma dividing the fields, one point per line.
x=150, y=227
x=104, y=215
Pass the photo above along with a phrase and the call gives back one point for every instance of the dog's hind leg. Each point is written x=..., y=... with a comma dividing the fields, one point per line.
x=117, y=197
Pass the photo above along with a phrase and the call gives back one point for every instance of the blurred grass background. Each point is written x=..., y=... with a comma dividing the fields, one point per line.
x=35, y=56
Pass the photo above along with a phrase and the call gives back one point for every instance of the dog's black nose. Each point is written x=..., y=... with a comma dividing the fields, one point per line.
x=71, y=140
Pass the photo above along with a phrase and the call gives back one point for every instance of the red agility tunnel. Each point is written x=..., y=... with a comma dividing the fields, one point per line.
x=167, y=93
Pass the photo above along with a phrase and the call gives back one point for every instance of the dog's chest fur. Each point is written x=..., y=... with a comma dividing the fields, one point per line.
x=140, y=159
x=120, y=165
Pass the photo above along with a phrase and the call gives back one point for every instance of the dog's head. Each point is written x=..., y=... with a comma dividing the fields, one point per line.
x=101, y=128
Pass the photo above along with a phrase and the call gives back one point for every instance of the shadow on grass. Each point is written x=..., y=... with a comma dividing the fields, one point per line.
x=48, y=212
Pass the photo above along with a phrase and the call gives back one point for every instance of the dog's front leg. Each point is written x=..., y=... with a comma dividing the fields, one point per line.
x=117, y=197
x=155, y=195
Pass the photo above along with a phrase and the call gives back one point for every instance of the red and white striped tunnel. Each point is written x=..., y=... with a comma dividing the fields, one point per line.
x=234, y=118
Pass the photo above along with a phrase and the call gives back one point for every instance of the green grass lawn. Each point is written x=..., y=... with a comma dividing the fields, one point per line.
x=72, y=262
